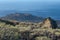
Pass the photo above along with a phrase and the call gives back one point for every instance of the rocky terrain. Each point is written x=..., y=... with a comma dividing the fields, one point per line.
x=15, y=30
x=25, y=17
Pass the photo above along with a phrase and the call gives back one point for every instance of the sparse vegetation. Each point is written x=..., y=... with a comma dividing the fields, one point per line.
x=27, y=31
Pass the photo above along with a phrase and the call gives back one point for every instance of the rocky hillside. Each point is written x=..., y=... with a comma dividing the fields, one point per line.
x=46, y=23
x=49, y=23
x=10, y=30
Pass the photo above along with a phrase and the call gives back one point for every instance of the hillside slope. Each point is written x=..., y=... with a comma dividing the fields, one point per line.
x=23, y=17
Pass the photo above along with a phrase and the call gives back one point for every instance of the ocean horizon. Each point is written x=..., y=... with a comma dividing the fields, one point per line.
x=42, y=9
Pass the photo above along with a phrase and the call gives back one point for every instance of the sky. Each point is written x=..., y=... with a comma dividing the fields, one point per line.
x=25, y=4
x=26, y=0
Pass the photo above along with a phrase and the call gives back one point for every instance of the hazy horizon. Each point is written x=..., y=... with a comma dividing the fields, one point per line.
x=42, y=8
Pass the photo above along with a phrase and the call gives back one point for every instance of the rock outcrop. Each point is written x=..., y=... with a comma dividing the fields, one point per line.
x=49, y=23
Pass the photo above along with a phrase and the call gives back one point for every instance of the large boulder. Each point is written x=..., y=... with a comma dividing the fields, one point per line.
x=49, y=23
